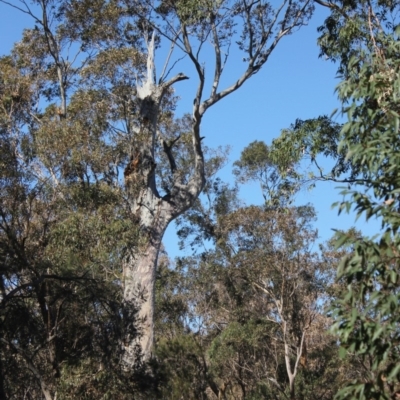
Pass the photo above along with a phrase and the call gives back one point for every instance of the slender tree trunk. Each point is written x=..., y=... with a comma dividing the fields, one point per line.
x=292, y=372
x=46, y=392
x=291, y=375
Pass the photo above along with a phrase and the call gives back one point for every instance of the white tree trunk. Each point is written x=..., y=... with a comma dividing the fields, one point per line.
x=139, y=285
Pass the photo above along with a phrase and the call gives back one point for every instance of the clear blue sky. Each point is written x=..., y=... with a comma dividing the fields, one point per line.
x=294, y=83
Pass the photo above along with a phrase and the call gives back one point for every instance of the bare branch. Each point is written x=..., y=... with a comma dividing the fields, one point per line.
x=26, y=11
x=172, y=67
x=332, y=6
x=218, y=68
x=167, y=149
x=171, y=50
x=254, y=67
x=299, y=352
x=200, y=73
x=177, y=78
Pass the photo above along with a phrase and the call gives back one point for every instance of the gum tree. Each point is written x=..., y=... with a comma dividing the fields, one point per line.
x=189, y=26
x=160, y=183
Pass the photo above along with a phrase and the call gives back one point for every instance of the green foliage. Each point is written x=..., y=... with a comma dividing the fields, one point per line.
x=226, y=313
x=198, y=226
x=367, y=319
x=362, y=36
x=305, y=141
x=276, y=174
x=242, y=317
x=184, y=366
x=354, y=27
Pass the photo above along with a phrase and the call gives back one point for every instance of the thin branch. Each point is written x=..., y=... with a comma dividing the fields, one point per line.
x=252, y=67
x=275, y=19
x=200, y=73
x=299, y=352
x=171, y=50
x=218, y=67
x=39, y=280
x=28, y=11
x=326, y=178
x=249, y=27
x=173, y=66
x=332, y=6
x=177, y=78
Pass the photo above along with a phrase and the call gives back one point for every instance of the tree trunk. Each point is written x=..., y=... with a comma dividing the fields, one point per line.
x=139, y=268
x=153, y=213
x=140, y=273
x=139, y=286
x=291, y=374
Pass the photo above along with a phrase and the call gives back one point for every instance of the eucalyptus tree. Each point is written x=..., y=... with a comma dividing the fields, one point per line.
x=279, y=181
x=266, y=293
x=242, y=317
x=159, y=184
x=188, y=26
x=364, y=37
x=368, y=49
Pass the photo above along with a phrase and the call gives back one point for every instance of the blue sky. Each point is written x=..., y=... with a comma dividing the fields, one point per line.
x=294, y=83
